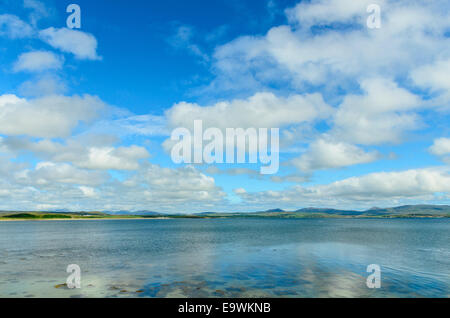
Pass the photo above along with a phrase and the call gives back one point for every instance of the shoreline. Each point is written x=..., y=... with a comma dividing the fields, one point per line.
x=223, y=217
x=83, y=219
x=397, y=212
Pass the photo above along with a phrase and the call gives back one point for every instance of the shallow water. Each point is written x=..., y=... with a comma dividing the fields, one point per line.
x=226, y=257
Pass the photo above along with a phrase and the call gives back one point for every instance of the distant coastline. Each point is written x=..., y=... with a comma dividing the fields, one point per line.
x=406, y=211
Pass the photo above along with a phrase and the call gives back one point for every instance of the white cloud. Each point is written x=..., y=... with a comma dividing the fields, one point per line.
x=260, y=110
x=7, y=168
x=87, y=191
x=185, y=184
x=51, y=185
x=13, y=27
x=88, y=153
x=296, y=57
x=326, y=154
x=51, y=116
x=47, y=84
x=381, y=115
x=434, y=76
x=82, y=45
x=38, y=61
x=375, y=188
x=239, y=191
x=410, y=183
x=440, y=147
x=121, y=158
x=318, y=12
x=360, y=68
x=49, y=174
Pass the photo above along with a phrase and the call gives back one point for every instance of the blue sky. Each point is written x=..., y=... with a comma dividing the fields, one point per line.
x=157, y=74
x=86, y=114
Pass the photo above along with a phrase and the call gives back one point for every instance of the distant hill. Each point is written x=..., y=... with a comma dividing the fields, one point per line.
x=412, y=209
x=274, y=210
x=311, y=212
x=404, y=211
x=329, y=211
x=147, y=213
x=400, y=210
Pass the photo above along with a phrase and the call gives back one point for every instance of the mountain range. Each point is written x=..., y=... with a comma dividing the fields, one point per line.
x=421, y=210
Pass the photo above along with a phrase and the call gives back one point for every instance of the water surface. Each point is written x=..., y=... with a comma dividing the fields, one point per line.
x=226, y=257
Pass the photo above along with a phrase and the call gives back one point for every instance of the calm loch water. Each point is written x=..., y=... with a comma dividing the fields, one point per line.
x=226, y=257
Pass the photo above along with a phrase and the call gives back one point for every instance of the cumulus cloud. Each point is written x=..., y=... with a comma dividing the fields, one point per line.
x=82, y=45
x=326, y=154
x=50, y=116
x=327, y=46
x=434, y=76
x=176, y=185
x=381, y=115
x=296, y=56
x=375, y=188
x=81, y=153
x=88, y=191
x=121, y=158
x=262, y=110
x=38, y=61
x=13, y=27
x=325, y=12
x=441, y=146
x=49, y=174
x=51, y=185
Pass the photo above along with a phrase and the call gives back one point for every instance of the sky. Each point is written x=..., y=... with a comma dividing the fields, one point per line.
x=86, y=114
